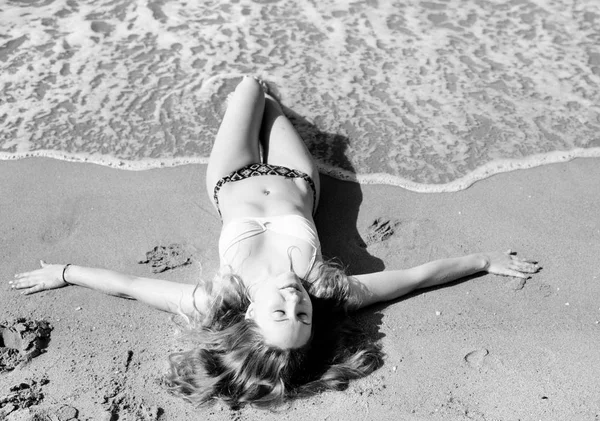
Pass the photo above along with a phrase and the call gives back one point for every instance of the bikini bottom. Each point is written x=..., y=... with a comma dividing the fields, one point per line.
x=258, y=169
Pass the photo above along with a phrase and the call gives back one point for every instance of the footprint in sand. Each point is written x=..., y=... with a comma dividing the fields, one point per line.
x=476, y=359
x=380, y=230
x=162, y=258
x=546, y=290
x=407, y=241
x=22, y=340
x=419, y=234
x=517, y=284
x=56, y=231
x=26, y=394
x=62, y=226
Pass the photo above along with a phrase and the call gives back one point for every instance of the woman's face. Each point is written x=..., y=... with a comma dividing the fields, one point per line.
x=282, y=309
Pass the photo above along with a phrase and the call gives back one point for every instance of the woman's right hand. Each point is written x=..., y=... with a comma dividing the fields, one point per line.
x=48, y=277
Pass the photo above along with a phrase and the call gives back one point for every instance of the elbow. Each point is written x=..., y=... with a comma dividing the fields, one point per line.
x=420, y=278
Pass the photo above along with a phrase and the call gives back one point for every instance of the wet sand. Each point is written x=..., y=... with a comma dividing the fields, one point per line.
x=488, y=348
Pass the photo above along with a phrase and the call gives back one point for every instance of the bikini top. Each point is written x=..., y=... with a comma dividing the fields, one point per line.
x=296, y=226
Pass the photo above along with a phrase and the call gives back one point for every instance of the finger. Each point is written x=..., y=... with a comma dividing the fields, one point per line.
x=33, y=290
x=15, y=284
x=524, y=266
x=530, y=263
x=535, y=262
x=26, y=275
x=515, y=274
x=23, y=283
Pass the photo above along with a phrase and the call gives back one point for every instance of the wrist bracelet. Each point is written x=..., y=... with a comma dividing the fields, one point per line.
x=63, y=274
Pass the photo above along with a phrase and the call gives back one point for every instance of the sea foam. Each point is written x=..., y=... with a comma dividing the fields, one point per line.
x=431, y=96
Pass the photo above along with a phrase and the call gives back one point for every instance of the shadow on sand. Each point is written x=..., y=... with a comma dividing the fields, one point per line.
x=337, y=215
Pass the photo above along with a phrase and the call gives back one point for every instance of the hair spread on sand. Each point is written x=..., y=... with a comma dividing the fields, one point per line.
x=229, y=359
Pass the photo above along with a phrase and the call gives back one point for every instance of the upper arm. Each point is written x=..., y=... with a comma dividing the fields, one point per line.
x=377, y=287
x=173, y=297
x=384, y=286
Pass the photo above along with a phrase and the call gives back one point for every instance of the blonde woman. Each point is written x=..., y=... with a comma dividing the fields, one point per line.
x=272, y=324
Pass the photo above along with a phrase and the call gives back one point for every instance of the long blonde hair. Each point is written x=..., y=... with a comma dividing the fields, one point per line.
x=229, y=359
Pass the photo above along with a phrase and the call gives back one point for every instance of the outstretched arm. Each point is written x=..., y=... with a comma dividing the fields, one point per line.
x=163, y=295
x=388, y=285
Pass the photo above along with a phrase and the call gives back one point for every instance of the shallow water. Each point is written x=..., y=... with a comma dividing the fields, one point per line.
x=422, y=94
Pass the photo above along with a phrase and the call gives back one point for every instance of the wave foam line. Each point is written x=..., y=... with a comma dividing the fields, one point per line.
x=481, y=173
x=106, y=161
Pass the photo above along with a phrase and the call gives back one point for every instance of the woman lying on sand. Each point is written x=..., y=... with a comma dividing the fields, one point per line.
x=272, y=324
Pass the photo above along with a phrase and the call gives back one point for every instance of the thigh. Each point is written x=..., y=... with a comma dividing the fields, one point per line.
x=237, y=142
x=282, y=145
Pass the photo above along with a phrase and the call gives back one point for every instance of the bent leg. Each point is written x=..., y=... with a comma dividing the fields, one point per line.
x=282, y=145
x=237, y=144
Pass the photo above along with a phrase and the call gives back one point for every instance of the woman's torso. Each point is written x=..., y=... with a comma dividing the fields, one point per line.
x=267, y=226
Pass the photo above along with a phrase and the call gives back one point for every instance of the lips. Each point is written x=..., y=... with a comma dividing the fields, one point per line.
x=293, y=286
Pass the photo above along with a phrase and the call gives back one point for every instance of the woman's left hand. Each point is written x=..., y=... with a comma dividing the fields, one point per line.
x=508, y=264
x=48, y=277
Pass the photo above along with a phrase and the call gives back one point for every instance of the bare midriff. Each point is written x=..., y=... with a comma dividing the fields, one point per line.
x=263, y=196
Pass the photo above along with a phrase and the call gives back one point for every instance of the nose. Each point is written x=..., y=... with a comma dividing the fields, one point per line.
x=292, y=307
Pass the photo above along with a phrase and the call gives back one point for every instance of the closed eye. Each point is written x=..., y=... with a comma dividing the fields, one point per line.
x=280, y=316
x=304, y=318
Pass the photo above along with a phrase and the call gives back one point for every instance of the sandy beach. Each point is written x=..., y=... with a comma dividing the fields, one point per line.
x=408, y=98
x=488, y=348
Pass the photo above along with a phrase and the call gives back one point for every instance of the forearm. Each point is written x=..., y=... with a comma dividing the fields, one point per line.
x=103, y=280
x=447, y=270
x=163, y=295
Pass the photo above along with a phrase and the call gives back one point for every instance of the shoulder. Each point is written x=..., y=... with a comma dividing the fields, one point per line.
x=329, y=281
x=360, y=295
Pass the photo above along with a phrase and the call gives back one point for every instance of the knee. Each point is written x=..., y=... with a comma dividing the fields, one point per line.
x=249, y=83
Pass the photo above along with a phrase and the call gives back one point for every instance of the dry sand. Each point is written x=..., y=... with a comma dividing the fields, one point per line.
x=489, y=348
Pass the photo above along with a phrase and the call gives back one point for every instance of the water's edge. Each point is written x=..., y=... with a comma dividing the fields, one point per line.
x=430, y=96
x=485, y=171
